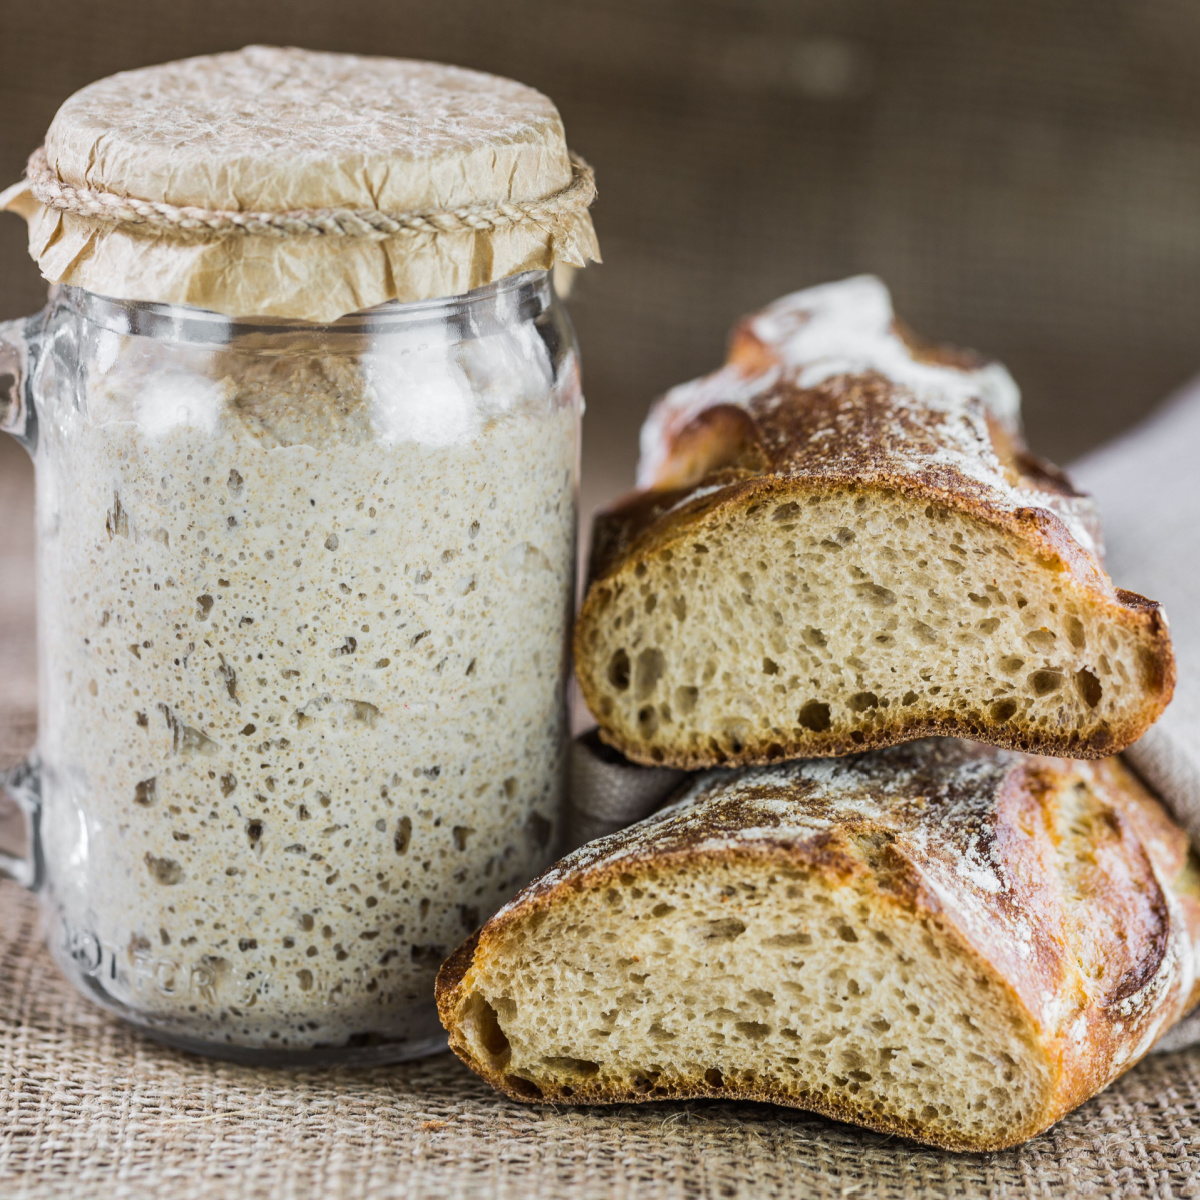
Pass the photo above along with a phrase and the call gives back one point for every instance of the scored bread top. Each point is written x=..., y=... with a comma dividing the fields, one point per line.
x=1064, y=880
x=826, y=384
x=845, y=328
x=860, y=430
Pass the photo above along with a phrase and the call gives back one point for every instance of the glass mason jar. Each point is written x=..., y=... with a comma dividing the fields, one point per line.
x=304, y=600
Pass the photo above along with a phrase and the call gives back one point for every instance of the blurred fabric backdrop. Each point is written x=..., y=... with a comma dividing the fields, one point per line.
x=1026, y=176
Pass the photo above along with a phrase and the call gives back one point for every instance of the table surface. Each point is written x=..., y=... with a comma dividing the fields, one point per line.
x=85, y=1103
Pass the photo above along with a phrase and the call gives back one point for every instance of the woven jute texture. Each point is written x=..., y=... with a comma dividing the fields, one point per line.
x=88, y=1107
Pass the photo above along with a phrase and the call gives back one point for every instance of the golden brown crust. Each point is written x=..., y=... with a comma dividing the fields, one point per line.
x=453, y=969
x=856, y=431
x=1066, y=884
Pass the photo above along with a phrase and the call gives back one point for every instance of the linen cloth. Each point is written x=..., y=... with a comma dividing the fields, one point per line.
x=1147, y=485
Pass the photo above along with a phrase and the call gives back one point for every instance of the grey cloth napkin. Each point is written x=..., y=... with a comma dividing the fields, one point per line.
x=606, y=792
x=1147, y=484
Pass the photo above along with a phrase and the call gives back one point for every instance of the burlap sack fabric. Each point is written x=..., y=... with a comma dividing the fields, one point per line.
x=89, y=1107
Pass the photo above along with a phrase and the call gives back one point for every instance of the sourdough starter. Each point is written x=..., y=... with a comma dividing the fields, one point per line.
x=304, y=624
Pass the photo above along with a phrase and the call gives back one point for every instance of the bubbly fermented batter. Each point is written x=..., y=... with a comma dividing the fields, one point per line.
x=302, y=673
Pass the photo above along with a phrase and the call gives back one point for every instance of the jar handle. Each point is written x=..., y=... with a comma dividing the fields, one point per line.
x=20, y=342
x=24, y=784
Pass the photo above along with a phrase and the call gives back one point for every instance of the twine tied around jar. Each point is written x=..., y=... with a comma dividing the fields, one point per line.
x=50, y=190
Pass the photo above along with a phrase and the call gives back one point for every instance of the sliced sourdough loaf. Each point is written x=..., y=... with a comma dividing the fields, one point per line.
x=943, y=940
x=840, y=542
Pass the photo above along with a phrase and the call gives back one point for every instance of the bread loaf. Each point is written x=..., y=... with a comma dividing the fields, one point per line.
x=943, y=940
x=840, y=542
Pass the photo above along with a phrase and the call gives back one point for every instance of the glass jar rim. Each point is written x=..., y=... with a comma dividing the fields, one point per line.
x=523, y=295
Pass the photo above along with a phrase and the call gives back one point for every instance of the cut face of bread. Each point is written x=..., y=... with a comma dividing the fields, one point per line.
x=774, y=620
x=821, y=567
x=942, y=940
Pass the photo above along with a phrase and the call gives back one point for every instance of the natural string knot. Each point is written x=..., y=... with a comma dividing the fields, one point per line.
x=552, y=210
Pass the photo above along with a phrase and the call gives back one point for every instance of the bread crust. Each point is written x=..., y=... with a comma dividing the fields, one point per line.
x=930, y=813
x=743, y=442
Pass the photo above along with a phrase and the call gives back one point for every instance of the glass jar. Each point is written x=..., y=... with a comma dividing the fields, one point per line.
x=304, y=601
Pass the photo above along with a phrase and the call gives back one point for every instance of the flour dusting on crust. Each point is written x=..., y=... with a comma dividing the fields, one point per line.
x=947, y=409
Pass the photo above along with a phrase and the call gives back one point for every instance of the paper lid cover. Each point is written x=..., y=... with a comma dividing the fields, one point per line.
x=287, y=182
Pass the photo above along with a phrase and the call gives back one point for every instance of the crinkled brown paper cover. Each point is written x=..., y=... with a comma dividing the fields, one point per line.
x=300, y=130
